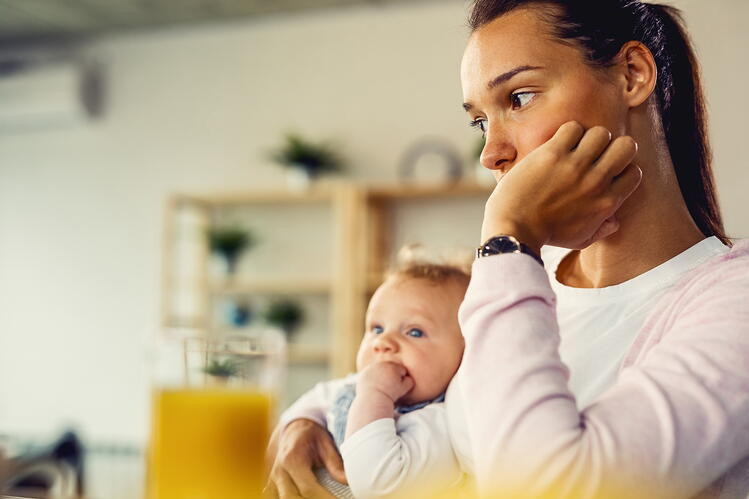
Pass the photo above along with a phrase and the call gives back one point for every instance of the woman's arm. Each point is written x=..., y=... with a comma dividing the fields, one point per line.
x=669, y=427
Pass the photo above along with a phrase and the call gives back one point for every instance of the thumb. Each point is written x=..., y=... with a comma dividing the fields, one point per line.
x=332, y=461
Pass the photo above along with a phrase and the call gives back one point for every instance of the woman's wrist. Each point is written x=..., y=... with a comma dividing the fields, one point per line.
x=516, y=230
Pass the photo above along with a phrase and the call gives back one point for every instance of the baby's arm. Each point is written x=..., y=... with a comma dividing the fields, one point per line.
x=378, y=387
x=381, y=457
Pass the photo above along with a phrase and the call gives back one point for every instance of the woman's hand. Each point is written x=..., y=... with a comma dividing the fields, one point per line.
x=294, y=453
x=566, y=192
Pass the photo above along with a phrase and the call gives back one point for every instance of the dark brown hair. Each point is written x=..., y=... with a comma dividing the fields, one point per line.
x=600, y=28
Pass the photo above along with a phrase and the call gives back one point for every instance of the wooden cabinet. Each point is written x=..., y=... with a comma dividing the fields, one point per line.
x=330, y=244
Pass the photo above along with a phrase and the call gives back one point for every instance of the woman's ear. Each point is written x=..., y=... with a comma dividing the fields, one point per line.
x=639, y=72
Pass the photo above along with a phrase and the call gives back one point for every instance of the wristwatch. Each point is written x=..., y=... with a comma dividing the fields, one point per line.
x=498, y=245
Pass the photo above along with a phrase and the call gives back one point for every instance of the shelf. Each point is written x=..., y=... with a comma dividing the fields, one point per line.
x=374, y=280
x=306, y=354
x=326, y=192
x=273, y=286
x=316, y=194
x=362, y=224
x=408, y=191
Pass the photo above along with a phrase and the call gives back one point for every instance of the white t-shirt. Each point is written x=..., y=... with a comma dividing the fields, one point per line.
x=596, y=327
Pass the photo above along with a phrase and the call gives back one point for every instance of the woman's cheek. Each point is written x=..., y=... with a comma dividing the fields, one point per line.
x=533, y=137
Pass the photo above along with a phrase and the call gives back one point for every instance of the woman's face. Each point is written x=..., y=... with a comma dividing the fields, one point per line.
x=520, y=85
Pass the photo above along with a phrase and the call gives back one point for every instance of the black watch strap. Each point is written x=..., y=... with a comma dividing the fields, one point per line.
x=498, y=245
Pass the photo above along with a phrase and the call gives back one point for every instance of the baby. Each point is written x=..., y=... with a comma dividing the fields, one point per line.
x=388, y=420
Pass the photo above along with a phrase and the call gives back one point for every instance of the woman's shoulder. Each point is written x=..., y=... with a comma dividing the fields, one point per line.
x=721, y=281
x=707, y=303
x=726, y=269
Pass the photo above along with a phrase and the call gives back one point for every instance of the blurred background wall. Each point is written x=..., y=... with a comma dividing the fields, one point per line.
x=198, y=108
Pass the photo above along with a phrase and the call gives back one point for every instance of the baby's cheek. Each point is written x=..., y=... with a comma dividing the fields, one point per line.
x=362, y=358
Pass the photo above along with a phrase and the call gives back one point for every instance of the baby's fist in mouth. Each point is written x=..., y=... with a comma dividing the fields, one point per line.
x=384, y=377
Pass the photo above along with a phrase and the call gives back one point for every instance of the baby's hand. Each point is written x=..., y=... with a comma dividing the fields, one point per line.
x=384, y=378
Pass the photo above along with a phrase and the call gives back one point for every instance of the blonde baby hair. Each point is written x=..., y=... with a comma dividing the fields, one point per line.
x=415, y=261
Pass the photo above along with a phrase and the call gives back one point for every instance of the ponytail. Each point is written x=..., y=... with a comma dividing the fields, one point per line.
x=682, y=106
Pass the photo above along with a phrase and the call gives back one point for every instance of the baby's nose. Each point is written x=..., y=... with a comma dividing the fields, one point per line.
x=385, y=344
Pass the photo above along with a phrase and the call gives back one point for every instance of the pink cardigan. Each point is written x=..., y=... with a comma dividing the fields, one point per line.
x=675, y=424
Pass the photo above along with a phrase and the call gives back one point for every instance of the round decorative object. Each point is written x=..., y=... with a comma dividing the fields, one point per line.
x=440, y=149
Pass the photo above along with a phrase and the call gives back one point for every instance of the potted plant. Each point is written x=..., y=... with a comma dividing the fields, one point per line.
x=220, y=370
x=306, y=160
x=286, y=314
x=229, y=242
x=483, y=176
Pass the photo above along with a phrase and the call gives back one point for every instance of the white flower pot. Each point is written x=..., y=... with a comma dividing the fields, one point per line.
x=298, y=179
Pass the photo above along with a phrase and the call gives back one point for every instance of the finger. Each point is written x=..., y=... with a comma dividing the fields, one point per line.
x=408, y=382
x=608, y=227
x=617, y=156
x=270, y=491
x=285, y=486
x=592, y=145
x=332, y=461
x=626, y=182
x=306, y=483
x=568, y=136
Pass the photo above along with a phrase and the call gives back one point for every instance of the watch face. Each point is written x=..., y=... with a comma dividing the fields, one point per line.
x=498, y=245
x=503, y=245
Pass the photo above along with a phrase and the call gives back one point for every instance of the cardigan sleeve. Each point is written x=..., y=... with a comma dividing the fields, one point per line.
x=671, y=424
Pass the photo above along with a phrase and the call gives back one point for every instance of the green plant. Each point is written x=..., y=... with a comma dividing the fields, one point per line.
x=315, y=158
x=478, y=148
x=286, y=314
x=229, y=242
x=221, y=368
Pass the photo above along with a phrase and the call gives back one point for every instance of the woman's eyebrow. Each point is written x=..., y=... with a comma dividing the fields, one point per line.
x=509, y=75
x=504, y=77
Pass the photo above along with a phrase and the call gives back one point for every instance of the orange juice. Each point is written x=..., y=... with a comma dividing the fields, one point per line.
x=208, y=443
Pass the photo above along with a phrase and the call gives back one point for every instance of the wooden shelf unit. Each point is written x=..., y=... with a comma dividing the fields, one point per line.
x=273, y=286
x=362, y=218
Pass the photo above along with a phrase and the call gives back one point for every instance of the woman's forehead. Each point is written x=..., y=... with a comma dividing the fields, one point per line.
x=520, y=38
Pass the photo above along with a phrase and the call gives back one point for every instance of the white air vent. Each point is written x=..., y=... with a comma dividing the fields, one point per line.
x=41, y=95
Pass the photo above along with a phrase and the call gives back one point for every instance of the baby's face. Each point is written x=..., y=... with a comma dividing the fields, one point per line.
x=414, y=322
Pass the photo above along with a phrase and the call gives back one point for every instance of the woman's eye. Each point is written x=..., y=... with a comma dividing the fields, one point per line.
x=415, y=333
x=480, y=124
x=377, y=329
x=521, y=99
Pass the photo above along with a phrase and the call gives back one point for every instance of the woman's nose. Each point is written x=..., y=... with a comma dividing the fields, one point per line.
x=499, y=152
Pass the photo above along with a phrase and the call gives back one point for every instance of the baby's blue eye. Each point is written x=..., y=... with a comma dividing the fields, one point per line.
x=377, y=329
x=415, y=333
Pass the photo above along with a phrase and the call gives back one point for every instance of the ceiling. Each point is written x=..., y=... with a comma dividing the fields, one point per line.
x=24, y=21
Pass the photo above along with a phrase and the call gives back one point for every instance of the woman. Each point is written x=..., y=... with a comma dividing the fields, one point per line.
x=624, y=367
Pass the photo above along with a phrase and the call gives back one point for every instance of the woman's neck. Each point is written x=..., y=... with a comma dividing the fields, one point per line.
x=655, y=226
